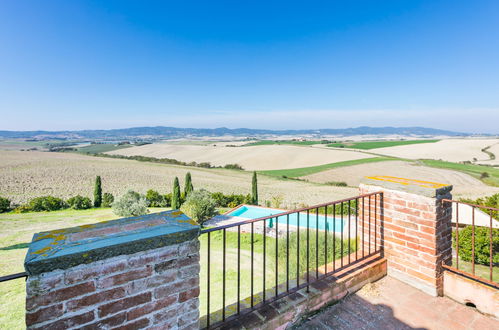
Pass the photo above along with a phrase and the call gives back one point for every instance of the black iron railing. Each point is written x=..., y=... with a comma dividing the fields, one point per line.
x=254, y=262
x=475, y=242
x=13, y=276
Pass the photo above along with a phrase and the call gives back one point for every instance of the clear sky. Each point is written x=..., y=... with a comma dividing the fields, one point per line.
x=100, y=64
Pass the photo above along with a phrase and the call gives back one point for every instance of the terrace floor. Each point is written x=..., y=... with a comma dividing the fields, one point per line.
x=391, y=304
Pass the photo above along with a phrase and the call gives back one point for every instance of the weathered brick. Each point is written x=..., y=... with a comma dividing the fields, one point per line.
x=95, y=299
x=70, y=322
x=106, y=323
x=189, y=294
x=151, y=307
x=44, y=314
x=123, y=304
x=83, y=273
x=125, y=277
x=59, y=295
x=139, y=324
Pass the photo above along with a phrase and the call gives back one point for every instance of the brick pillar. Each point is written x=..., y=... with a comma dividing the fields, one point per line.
x=415, y=229
x=140, y=272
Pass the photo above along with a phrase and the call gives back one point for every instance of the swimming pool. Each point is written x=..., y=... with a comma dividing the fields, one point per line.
x=320, y=222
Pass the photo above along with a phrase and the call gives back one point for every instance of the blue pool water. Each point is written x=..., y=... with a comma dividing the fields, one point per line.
x=315, y=222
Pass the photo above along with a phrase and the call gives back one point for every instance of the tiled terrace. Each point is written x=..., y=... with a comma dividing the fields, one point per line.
x=391, y=304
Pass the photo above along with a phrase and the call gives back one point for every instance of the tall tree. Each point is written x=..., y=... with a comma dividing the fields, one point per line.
x=254, y=189
x=188, y=185
x=98, y=192
x=176, y=195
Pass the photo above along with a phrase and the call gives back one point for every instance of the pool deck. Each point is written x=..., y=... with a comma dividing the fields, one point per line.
x=391, y=304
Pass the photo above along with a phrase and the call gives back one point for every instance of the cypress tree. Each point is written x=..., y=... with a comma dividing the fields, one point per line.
x=254, y=190
x=188, y=185
x=98, y=192
x=176, y=195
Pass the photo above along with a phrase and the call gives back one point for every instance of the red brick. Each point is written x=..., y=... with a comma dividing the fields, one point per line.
x=406, y=238
x=189, y=294
x=123, y=304
x=153, y=257
x=109, y=322
x=139, y=324
x=125, y=277
x=95, y=299
x=151, y=307
x=83, y=274
x=177, y=287
x=71, y=322
x=44, y=314
x=60, y=295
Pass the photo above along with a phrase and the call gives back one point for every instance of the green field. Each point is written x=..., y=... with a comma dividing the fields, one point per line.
x=281, y=142
x=298, y=172
x=99, y=148
x=377, y=144
x=17, y=231
x=475, y=171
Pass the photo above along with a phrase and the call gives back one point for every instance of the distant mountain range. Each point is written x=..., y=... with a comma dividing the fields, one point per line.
x=159, y=132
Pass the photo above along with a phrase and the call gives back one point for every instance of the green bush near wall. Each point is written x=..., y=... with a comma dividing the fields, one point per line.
x=482, y=244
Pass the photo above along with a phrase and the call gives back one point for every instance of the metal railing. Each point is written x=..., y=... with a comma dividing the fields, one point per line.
x=13, y=277
x=283, y=253
x=470, y=258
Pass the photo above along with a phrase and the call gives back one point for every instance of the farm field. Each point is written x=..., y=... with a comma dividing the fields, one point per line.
x=101, y=147
x=17, y=231
x=25, y=175
x=263, y=157
x=299, y=172
x=377, y=144
x=452, y=150
x=464, y=185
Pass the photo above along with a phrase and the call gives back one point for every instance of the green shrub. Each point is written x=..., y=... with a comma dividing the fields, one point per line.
x=98, y=192
x=200, y=206
x=168, y=199
x=337, y=183
x=234, y=167
x=220, y=199
x=4, y=204
x=176, y=195
x=482, y=244
x=130, y=204
x=79, y=203
x=155, y=199
x=22, y=209
x=107, y=200
x=46, y=203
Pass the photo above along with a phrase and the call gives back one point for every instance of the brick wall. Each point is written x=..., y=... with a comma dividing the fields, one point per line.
x=150, y=289
x=414, y=231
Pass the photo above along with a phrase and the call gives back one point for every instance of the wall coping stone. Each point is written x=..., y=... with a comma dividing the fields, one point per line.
x=69, y=247
x=418, y=187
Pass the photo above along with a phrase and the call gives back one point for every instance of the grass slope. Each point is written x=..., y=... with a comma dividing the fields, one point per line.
x=475, y=171
x=377, y=144
x=298, y=172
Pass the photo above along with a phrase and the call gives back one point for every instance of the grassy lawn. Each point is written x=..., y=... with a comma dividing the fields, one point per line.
x=482, y=271
x=291, y=142
x=377, y=144
x=15, y=235
x=471, y=169
x=298, y=172
x=216, y=263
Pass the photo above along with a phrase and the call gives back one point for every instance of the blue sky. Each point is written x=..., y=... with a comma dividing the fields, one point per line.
x=258, y=64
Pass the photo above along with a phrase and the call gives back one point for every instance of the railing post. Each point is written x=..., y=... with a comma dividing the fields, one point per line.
x=415, y=228
x=133, y=273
